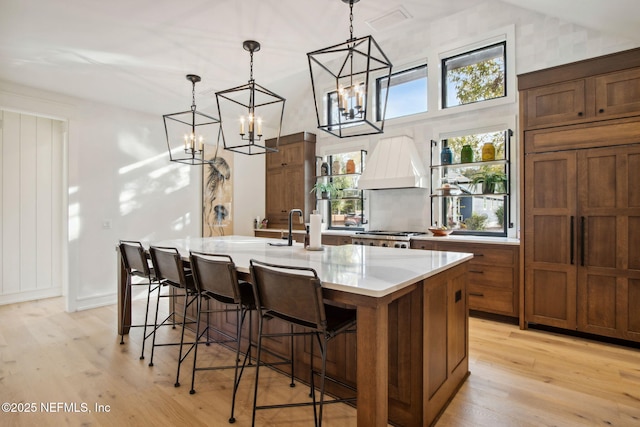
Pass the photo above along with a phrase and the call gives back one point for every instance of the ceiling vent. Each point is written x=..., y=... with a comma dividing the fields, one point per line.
x=390, y=19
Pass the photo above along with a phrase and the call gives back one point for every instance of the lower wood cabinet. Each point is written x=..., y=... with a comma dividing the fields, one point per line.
x=493, y=274
x=335, y=240
x=298, y=236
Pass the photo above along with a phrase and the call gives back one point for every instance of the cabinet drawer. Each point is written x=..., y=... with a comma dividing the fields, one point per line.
x=268, y=234
x=422, y=244
x=488, y=299
x=490, y=275
x=482, y=253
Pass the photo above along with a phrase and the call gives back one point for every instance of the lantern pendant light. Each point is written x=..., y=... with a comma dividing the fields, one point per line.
x=341, y=77
x=246, y=111
x=189, y=131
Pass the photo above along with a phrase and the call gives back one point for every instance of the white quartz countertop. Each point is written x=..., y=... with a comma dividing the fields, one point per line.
x=364, y=270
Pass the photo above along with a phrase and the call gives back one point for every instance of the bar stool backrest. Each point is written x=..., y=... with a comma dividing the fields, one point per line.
x=216, y=275
x=293, y=294
x=134, y=258
x=169, y=267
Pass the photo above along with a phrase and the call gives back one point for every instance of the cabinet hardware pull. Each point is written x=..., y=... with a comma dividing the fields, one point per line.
x=601, y=110
x=571, y=239
x=582, y=244
x=580, y=114
x=478, y=254
x=476, y=294
x=476, y=271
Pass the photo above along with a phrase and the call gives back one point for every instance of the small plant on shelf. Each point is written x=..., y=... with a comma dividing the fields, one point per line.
x=491, y=180
x=325, y=189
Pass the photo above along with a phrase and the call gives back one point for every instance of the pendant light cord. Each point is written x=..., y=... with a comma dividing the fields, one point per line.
x=193, y=96
x=251, y=65
x=351, y=20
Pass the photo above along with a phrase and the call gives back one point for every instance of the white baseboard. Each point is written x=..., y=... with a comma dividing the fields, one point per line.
x=30, y=295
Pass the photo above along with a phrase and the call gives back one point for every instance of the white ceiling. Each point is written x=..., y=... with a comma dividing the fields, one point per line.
x=135, y=53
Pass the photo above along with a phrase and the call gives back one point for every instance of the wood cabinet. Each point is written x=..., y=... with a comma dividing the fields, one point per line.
x=597, y=89
x=581, y=213
x=290, y=174
x=298, y=236
x=336, y=240
x=493, y=274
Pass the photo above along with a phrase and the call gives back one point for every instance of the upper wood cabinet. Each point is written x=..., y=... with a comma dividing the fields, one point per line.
x=290, y=174
x=613, y=95
x=597, y=89
x=553, y=104
x=618, y=94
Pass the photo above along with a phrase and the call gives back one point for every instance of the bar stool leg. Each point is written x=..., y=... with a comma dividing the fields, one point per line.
x=184, y=322
x=255, y=388
x=292, y=362
x=127, y=287
x=146, y=319
x=195, y=350
x=236, y=376
x=155, y=327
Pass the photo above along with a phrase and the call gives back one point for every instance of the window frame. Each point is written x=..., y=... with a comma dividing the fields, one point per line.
x=327, y=153
x=443, y=76
x=378, y=90
x=499, y=124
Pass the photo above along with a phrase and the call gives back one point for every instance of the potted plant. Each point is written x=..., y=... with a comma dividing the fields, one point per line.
x=491, y=180
x=324, y=188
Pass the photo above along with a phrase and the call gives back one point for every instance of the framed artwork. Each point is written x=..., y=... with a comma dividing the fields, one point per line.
x=217, y=192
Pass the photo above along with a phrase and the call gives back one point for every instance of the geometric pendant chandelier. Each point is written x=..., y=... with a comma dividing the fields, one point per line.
x=341, y=80
x=187, y=132
x=247, y=111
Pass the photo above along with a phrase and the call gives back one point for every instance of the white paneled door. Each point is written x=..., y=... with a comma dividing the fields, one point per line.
x=31, y=203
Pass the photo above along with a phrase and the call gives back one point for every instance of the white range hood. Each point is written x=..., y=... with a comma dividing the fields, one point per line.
x=394, y=163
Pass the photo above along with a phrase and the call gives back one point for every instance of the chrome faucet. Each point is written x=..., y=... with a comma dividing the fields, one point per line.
x=291, y=212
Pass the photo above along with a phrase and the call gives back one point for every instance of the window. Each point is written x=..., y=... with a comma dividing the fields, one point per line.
x=478, y=75
x=474, y=210
x=345, y=205
x=407, y=93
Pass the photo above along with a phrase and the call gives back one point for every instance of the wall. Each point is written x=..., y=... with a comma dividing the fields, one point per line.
x=121, y=186
x=540, y=42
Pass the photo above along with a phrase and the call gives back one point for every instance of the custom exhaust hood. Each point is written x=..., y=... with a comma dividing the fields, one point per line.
x=394, y=163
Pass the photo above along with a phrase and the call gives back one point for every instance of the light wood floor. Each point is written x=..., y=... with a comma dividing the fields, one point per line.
x=518, y=378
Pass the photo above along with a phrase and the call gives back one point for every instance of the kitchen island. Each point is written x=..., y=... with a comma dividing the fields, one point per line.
x=412, y=328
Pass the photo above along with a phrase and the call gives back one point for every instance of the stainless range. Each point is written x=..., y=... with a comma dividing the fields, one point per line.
x=387, y=239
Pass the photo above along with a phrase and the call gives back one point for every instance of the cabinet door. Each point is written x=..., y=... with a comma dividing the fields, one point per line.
x=609, y=254
x=287, y=155
x=618, y=94
x=550, y=255
x=276, y=196
x=285, y=191
x=556, y=104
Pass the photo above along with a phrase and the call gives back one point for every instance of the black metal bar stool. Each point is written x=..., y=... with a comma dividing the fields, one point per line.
x=216, y=278
x=171, y=271
x=294, y=295
x=136, y=264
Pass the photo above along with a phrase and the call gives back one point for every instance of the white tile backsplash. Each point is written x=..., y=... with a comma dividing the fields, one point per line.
x=405, y=209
